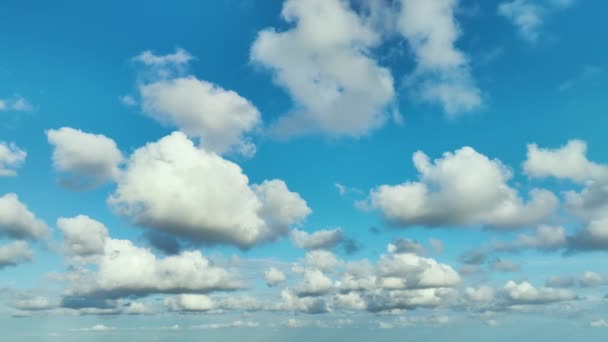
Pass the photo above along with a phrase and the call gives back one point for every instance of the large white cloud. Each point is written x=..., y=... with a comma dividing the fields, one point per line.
x=172, y=186
x=442, y=72
x=11, y=158
x=202, y=109
x=17, y=221
x=323, y=62
x=87, y=159
x=125, y=270
x=462, y=188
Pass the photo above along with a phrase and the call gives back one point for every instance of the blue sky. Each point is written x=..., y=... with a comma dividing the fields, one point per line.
x=279, y=169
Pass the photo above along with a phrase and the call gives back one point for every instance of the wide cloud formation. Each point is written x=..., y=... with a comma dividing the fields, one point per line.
x=462, y=188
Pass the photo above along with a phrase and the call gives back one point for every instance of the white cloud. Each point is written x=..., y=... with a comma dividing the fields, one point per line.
x=590, y=204
x=481, y=295
x=323, y=260
x=190, y=302
x=16, y=221
x=96, y=328
x=526, y=15
x=128, y=100
x=321, y=239
x=274, y=277
x=462, y=188
x=568, y=162
x=15, y=253
x=443, y=72
x=410, y=299
x=201, y=109
x=172, y=186
x=409, y=271
x=323, y=62
x=87, y=159
x=405, y=246
x=529, y=16
x=592, y=279
x=545, y=238
x=179, y=57
x=292, y=302
x=599, y=323
x=82, y=236
x=524, y=293
x=315, y=283
x=15, y=104
x=126, y=270
x=11, y=158
x=350, y=301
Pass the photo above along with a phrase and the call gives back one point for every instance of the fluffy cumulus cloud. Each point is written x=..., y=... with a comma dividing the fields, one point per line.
x=323, y=61
x=220, y=118
x=85, y=159
x=462, y=188
x=11, y=158
x=15, y=253
x=174, y=187
x=321, y=239
x=18, y=222
x=528, y=16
